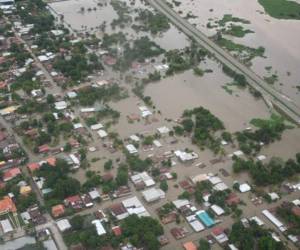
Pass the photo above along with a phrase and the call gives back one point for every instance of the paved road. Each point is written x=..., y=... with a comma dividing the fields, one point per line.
x=281, y=102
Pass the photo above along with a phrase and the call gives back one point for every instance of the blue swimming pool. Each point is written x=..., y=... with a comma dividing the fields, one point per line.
x=205, y=218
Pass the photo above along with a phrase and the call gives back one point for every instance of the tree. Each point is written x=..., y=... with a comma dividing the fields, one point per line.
x=122, y=175
x=142, y=232
x=66, y=187
x=108, y=165
x=164, y=185
x=203, y=245
x=77, y=222
x=188, y=125
x=50, y=99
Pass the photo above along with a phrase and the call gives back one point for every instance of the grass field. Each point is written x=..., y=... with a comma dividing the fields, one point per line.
x=281, y=9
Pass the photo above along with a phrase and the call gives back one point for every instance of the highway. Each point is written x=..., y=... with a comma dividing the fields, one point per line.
x=278, y=100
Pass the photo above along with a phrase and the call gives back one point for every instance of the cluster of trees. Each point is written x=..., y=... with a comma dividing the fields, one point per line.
x=274, y=172
x=25, y=82
x=89, y=95
x=22, y=201
x=58, y=180
x=35, y=12
x=113, y=39
x=153, y=22
x=181, y=60
x=142, y=49
x=84, y=232
x=123, y=12
x=19, y=53
x=142, y=232
x=267, y=132
x=253, y=237
x=203, y=125
x=78, y=65
x=239, y=79
x=285, y=212
x=137, y=164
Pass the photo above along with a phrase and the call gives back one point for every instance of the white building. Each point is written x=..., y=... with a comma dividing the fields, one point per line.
x=99, y=227
x=217, y=210
x=63, y=225
x=96, y=126
x=143, y=177
x=195, y=223
x=134, y=206
x=6, y=226
x=244, y=188
x=153, y=194
x=184, y=156
x=60, y=105
x=163, y=130
x=274, y=220
x=131, y=149
x=102, y=133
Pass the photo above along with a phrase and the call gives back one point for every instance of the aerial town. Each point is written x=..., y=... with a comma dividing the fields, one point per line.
x=149, y=124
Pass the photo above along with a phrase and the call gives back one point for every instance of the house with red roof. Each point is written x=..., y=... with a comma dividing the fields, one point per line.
x=51, y=161
x=11, y=173
x=58, y=210
x=7, y=205
x=74, y=201
x=43, y=149
x=219, y=235
x=33, y=166
x=117, y=230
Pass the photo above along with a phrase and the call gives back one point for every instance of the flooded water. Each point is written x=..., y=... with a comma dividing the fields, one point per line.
x=84, y=20
x=175, y=94
x=281, y=38
x=89, y=21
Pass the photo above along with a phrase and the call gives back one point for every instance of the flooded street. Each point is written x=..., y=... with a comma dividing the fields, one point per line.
x=280, y=38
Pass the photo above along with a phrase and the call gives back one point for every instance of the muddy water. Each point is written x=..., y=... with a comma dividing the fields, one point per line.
x=287, y=147
x=175, y=94
x=281, y=38
x=81, y=21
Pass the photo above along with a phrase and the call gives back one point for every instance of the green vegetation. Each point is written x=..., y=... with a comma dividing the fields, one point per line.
x=78, y=66
x=285, y=212
x=181, y=60
x=123, y=14
x=204, y=245
x=239, y=79
x=203, y=126
x=140, y=50
x=142, y=231
x=197, y=71
x=84, y=232
x=271, y=79
x=154, y=23
x=245, y=53
x=237, y=31
x=89, y=95
x=58, y=180
x=35, y=12
x=271, y=173
x=281, y=9
x=253, y=237
x=229, y=18
x=267, y=132
x=137, y=164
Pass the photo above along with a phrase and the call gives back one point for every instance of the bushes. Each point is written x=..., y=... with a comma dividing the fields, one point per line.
x=142, y=231
x=274, y=172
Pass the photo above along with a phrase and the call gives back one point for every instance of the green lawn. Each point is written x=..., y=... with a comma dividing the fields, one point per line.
x=281, y=9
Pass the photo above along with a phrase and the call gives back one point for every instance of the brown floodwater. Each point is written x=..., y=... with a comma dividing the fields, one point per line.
x=280, y=38
x=184, y=91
